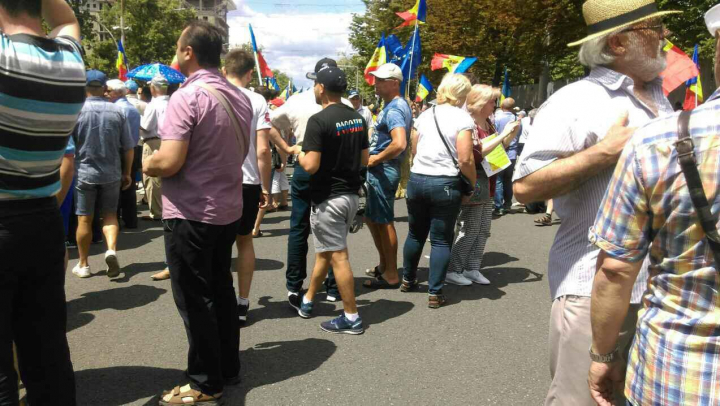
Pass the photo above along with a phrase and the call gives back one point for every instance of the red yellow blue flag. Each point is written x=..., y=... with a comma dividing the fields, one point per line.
x=423, y=90
x=121, y=63
x=378, y=59
x=417, y=13
x=694, y=92
x=453, y=63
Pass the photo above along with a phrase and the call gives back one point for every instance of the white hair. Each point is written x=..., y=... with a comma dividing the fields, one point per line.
x=596, y=52
x=116, y=85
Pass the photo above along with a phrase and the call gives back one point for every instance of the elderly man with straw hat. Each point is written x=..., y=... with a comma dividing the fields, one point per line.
x=578, y=136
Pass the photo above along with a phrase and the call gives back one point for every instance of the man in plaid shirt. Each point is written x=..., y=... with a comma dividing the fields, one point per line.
x=675, y=358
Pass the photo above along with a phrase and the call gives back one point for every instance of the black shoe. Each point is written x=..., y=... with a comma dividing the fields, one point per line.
x=294, y=300
x=243, y=312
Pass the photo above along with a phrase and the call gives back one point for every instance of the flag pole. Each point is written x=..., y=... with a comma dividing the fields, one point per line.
x=412, y=54
x=257, y=67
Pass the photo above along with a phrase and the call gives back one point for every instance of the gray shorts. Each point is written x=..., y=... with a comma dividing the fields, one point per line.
x=103, y=197
x=331, y=221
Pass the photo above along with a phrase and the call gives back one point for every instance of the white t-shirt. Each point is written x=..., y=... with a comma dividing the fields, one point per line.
x=292, y=117
x=432, y=156
x=526, y=127
x=260, y=121
x=367, y=115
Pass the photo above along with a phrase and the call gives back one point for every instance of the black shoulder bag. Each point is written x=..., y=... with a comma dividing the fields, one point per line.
x=466, y=188
x=686, y=156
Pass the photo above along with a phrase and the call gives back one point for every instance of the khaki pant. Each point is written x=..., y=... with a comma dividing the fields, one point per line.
x=153, y=185
x=570, y=339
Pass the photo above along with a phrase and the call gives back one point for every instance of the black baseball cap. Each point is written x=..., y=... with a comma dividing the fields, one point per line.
x=333, y=78
x=325, y=62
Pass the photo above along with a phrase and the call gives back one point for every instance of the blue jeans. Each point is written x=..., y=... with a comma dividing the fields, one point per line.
x=299, y=232
x=503, y=187
x=433, y=204
x=382, y=183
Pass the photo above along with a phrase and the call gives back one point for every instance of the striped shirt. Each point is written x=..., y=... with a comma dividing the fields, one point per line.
x=572, y=120
x=647, y=211
x=42, y=89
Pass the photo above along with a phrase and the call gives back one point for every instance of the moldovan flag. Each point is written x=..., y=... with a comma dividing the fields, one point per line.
x=263, y=67
x=506, y=91
x=423, y=90
x=694, y=93
x=455, y=64
x=121, y=63
x=680, y=68
x=418, y=12
x=378, y=59
x=174, y=64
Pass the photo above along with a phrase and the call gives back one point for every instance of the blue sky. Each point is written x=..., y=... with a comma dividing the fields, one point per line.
x=295, y=34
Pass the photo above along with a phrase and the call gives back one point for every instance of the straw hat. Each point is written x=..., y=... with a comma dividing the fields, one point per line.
x=605, y=16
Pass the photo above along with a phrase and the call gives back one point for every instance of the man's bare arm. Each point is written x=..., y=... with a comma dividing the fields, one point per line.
x=61, y=19
x=67, y=171
x=567, y=174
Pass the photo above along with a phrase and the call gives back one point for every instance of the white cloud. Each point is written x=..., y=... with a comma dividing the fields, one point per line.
x=292, y=42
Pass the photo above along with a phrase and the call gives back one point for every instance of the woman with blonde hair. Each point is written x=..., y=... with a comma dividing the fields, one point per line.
x=476, y=212
x=442, y=149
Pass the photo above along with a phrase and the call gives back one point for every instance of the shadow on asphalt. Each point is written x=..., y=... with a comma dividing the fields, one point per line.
x=499, y=278
x=496, y=259
x=117, y=386
x=129, y=271
x=125, y=298
x=371, y=312
x=274, y=220
x=127, y=239
x=262, y=264
x=273, y=362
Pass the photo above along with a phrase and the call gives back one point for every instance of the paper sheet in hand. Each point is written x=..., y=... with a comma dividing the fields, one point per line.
x=495, y=161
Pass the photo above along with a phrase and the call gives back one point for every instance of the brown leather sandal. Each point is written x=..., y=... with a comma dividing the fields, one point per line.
x=187, y=396
x=544, y=220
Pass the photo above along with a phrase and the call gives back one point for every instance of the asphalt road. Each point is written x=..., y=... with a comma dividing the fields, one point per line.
x=487, y=346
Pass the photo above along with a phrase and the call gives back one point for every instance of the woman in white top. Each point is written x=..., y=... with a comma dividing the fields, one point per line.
x=434, y=190
x=476, y=212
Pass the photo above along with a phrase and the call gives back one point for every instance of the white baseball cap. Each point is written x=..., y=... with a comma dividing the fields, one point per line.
x=712, y=20
x=388, y=71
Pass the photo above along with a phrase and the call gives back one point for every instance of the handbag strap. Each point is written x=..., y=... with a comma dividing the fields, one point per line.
x=224, y=102
x=686, y=157
x=442, y=137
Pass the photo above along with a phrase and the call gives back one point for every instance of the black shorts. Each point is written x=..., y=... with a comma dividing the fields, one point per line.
x=251, y=206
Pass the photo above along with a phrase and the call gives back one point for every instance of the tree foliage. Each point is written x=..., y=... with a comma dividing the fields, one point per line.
x=153, y=30
x=522, y=35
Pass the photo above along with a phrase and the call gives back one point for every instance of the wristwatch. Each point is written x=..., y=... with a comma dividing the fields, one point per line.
x=604, y=358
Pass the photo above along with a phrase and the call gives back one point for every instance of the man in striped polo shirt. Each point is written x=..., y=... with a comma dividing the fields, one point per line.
x=42, y=90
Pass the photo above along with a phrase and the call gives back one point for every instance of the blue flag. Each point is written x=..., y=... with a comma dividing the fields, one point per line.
x=252, y=39
x=411, y=59
x=506, y=91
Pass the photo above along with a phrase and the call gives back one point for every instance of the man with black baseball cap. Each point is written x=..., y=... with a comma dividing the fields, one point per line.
x=293, y=118
x=335, y=148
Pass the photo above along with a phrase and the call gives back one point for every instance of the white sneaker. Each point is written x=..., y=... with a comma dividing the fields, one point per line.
x=113, y=265
x=83, y=272
x=456, y=278
x=476, y=277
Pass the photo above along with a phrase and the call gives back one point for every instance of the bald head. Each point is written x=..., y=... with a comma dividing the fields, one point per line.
x=508, y=104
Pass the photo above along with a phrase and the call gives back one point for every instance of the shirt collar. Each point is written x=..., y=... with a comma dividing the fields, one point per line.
x=96, y=98
x=614, y=80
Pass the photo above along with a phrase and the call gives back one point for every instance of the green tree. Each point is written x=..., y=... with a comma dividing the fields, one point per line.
x=153, y=28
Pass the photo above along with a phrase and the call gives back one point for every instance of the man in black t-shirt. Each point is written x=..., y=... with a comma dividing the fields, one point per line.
x=334, y=150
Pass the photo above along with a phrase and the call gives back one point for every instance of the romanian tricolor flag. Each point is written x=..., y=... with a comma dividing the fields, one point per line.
x=506, y=91
x=418, y=13
x=680, y=68
x=423, y=90
x=694, y=92
x=378, y=59
x=174, y=64
x=121, y=63
x=455, y=64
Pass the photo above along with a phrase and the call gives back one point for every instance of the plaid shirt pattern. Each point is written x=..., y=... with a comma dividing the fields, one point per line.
x=675, y=358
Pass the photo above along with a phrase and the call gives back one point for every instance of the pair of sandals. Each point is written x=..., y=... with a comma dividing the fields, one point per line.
x=544, y=220
x=378, y=282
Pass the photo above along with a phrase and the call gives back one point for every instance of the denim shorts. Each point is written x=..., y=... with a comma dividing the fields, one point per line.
x=382, y=183
x=103, y=197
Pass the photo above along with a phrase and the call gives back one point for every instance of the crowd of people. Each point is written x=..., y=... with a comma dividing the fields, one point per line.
x=640, y=292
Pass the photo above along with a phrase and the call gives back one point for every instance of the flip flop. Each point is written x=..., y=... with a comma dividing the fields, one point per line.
x=375, y=272
x=380, y=283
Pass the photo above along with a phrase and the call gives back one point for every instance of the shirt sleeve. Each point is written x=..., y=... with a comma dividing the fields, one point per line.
x=622, y=224
x=556, y=134
x=148, y=122
x=281, y=120
x=264, y=122
x=313, y=136
x=70, y=148
x=394, y=119
x=180, y=117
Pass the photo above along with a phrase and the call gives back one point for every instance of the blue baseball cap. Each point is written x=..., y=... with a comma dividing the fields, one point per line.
x=95, y=78
x=353, y=93
x=132, y=86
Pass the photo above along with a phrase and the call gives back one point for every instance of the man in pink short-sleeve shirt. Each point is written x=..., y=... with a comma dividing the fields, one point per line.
x=200, y=161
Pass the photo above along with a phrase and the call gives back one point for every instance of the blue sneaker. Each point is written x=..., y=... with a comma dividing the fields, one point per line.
x=341, y=325
x=305, y=310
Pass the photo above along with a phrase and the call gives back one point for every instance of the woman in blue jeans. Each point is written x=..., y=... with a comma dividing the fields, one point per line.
x=433, y=192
